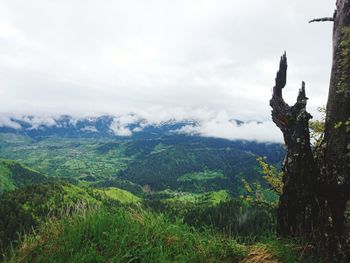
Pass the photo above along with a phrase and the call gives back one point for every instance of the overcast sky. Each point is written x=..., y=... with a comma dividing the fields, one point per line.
x=179, y=57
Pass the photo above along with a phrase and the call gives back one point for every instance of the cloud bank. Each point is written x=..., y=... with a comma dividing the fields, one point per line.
x=160, y=59
x=218, y=126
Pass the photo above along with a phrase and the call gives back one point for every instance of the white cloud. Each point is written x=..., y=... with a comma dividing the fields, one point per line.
x=223, y=127
x=7, y=30
x=137, y=129
x=120, y=130
x=39, y=121
x=252, y=131
x=202, y=122
x=205, y=123
x=89, y=128
x=119, y=125
x=159, y=59
x=6, y=121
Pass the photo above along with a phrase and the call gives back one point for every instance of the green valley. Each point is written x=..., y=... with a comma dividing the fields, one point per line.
x=184, y=163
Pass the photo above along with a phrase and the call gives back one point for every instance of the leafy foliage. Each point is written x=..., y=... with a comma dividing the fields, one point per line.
x=317, y=126
x=271, y=176
x=260, y=196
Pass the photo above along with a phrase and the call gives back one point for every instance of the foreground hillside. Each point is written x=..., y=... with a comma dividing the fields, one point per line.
x=124, y=236
x=26, y=208
x=106, y=231
x=77, y=224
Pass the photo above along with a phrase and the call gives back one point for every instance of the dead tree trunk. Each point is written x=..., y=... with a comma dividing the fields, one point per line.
x=300, y=171
x=315, y=198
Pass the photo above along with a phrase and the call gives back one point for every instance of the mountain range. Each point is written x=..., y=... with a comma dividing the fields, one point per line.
x=132, y=152
x=129, y=125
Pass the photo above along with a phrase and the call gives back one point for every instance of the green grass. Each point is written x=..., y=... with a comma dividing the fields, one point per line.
x=135, y=235
x=209, y=198
x=26, y=208
x=272, y=249
x=124, y=236
x=72, y=193
x=120, y=195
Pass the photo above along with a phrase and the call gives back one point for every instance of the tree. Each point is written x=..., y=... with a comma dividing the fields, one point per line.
x=258, y=195
x=315, y=198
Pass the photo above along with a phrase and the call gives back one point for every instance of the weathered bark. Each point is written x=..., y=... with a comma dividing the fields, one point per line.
x=297, y=199
x=334, y=160
x=316, y=193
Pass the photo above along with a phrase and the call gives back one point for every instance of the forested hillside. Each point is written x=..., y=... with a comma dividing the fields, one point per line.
x=14, y=175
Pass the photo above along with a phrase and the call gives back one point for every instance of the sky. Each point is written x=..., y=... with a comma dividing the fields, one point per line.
x=214, y=60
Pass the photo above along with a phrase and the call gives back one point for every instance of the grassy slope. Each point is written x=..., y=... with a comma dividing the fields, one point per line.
x=126, y=235
x=119, y=195
x=87, y=233
x=119, y=183
x=30, y=206
x=13, y=175
x=123, y=236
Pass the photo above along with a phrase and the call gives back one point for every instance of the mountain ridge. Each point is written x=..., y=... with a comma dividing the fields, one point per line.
x=120, y=126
